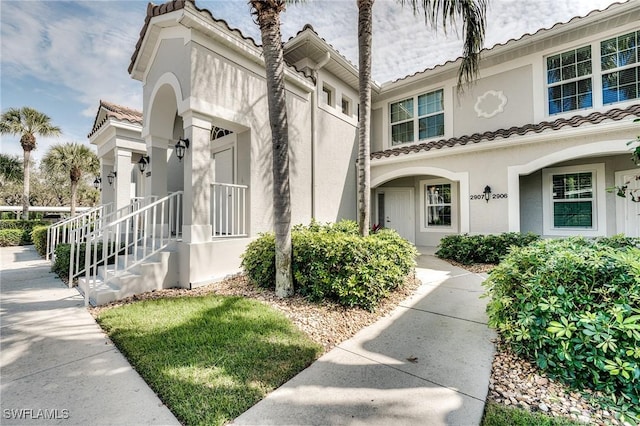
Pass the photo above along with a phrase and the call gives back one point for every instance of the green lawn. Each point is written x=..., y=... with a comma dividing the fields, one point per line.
x=499, y=415
x=209, y=358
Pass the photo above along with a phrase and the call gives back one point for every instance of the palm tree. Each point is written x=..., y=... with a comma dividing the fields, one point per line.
x=27, y=122
x=267, y=13
x=10, y=169
x=72, y=157
x=473, y=14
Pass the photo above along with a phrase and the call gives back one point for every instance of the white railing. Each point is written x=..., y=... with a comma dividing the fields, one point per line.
x=228, y=210
x=137, y=235
x=61, y=232
x=79, y=235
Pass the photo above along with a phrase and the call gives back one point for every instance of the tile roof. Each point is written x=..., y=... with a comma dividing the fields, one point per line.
x=526, y=35
x=615, y=114
x=117, y=112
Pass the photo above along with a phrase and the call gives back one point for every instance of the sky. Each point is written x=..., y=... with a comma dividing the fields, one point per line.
x=63, y=57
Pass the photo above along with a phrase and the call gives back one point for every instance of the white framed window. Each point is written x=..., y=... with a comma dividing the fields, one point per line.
x=569, y=80
x=439, y=205
x=619, y=58
x=327, y=94
x=573, y=200
x=408, y=125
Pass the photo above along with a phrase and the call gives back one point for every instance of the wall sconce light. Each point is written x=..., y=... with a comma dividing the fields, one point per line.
x=487, y=193
x=111, y=176
x=97, y=182
x=142, y=164
x=181, y=147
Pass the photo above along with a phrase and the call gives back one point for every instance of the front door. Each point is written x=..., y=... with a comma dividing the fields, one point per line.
x=627, y=211
x=395, y=211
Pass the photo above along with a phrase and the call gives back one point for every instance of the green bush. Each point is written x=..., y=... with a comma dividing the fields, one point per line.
x=333, y=262
x=39, y=238
x=11, y=237
x=62, y=258
x=468, y=249
x=25, y=225
x=573, y=307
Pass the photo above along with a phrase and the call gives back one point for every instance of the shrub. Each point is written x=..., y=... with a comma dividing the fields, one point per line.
x=39, y=238
x=468, y=249
x=573, y=306
x=11, y=237
x=25, y=225
x=63, y=258
x=333, y=262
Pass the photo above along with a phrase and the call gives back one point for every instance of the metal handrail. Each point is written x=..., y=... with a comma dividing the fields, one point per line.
x=228, y=210
x=141, y=233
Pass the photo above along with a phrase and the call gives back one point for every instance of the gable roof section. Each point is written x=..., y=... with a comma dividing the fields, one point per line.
x=615, y=114
x=108, y=110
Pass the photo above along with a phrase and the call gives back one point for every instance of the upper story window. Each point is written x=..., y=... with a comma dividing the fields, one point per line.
x=346, y=105
x=429, y=120
x=327, y=95
x=569, y=80
x=620, y=70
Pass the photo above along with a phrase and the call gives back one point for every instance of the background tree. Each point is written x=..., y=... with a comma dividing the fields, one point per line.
x=473, y=15
x=74, y=158
x=27, y=123
x=10, y=169
x=267, y=13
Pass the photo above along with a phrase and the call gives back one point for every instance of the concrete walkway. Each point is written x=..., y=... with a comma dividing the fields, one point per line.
x=56, y=364
x=428, y=363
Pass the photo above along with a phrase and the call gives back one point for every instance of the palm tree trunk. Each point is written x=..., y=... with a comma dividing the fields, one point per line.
x=365, y=26
x=74, y=197
x=26, y=187
x=268, y=15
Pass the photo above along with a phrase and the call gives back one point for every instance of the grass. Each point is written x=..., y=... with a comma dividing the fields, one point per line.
x=209, y=358
x=499, y=415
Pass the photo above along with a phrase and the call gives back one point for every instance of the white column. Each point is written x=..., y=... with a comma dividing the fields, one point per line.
x=122, y=182
x=197, y=179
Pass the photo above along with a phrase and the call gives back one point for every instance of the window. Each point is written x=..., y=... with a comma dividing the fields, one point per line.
x=439, y=205
x=620, y=72
x=573, y=200
x=346, y=106
x=327, y=95
x=569, y=80
x=429, y=119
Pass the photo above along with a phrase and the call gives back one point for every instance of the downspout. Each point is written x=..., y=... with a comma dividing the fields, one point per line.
x=314, y=107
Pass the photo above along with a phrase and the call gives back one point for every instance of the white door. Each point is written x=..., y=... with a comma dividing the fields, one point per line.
x=221, y=197
x=627, y=211
x=395, y=211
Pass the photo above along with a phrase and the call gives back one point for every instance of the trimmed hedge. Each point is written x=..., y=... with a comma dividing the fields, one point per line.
x=25, y=225
x=573, y=307
x=39, y=238
x=11, y=237
x=63, y=257
x=333, y=262
x=468, y=249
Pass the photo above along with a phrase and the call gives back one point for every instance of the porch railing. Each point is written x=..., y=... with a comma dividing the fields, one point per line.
x=228, y=210
x=80, y=235
x=61, y=232
x=130, y=240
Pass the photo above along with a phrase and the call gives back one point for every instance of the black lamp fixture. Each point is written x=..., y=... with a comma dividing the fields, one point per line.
x=142, y=164
x=487, y=193
x=97, y=182
x=111, y=176
x=181, y=147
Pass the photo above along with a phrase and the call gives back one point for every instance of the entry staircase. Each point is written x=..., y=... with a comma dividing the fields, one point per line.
x=119, y=253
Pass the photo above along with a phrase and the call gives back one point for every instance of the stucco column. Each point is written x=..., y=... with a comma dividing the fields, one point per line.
x=197, y=179
x=156, y=183
x=122, y=182
x=107, y=193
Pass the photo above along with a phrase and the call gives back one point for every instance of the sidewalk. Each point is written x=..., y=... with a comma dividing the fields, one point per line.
x=56, y=364
x=428, y=363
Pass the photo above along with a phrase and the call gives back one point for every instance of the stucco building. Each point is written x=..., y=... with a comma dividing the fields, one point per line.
x=530, y=147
